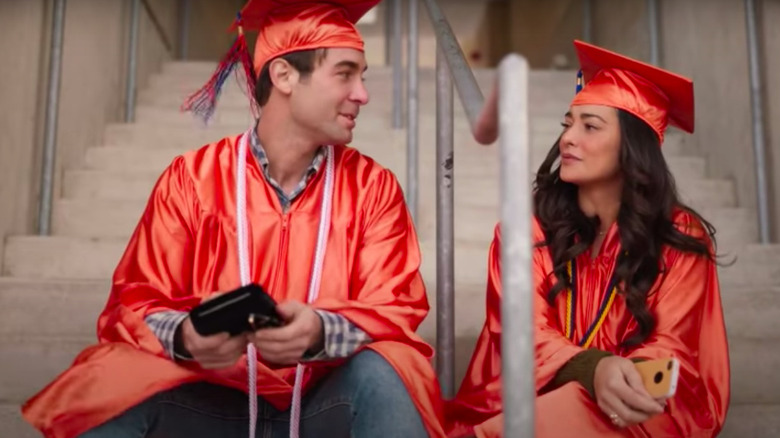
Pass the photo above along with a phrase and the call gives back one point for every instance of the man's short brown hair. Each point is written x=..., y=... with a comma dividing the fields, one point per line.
x=304, y=61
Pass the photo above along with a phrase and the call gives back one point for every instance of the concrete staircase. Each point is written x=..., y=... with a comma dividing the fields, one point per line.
x=52, y=288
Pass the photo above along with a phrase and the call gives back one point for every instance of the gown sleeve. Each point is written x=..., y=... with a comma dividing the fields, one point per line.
x=387, y=297
x=690, y=327
x=155, y=271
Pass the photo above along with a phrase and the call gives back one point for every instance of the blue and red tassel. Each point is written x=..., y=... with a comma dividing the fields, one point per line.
x=203, y=102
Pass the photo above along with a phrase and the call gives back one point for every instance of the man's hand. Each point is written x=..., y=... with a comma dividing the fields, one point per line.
x=286, y=345
x=621, y=394
x=215, y=351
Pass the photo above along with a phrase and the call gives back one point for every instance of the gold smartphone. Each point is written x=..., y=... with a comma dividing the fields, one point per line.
x=660, y=376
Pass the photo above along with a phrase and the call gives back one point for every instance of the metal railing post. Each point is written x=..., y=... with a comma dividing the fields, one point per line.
x=445, y=229
x=412, y=102
x=587, y=20
x=52, y=109
x=132, y=61
x=184, y=28
x=756, y=100
x=397, y=65
x=517, y=338
x=652, y=16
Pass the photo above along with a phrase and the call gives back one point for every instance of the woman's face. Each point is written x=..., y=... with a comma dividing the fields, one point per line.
x=590, y=145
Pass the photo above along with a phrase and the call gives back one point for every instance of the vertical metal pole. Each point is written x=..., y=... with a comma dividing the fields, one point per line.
x=184, y=28
x=412, y=98
x=397, y=66
x=517, y=340
x=652, y=16
x=587, y=21
x=445, y=229
x=52, y=108
x=756, y=96
x=132, y=61
x=388, y=33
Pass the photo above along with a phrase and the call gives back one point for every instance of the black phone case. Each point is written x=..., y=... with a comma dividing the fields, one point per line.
x=231, y=312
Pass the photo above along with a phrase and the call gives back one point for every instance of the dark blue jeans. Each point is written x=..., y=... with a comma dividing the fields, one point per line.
x=362, y=398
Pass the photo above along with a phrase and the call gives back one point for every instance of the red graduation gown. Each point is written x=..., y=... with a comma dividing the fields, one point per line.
x=687, y=305
x=184, y=249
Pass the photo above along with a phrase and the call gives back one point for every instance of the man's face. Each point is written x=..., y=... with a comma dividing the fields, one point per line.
x=326, y=104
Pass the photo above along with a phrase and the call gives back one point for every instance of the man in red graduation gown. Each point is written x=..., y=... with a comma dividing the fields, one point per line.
x=322, y=228
x=585, y=380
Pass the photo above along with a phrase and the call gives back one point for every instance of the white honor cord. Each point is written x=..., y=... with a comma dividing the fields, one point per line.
x=314, y=283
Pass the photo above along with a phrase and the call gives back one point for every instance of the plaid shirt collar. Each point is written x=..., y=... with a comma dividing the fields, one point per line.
x=285, y=199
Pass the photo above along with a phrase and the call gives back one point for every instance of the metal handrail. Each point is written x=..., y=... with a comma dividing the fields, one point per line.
x=397, y=57
x=413, y=105
x=759, y=143
x=652, y=18
x=158, y=26
x=517, y=341
x=132, y=53
x=52, y=108
x=506, y=115
x=468, y=89
x=445, y=228
x=587, y=21
x=184, y=28
x=132, y=62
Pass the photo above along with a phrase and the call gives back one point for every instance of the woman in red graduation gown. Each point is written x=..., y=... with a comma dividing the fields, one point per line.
x=623, y=272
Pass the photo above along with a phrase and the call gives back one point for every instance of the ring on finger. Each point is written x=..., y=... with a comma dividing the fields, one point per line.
x=615, y=418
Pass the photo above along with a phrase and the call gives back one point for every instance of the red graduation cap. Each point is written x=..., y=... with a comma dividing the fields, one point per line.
x=291, y=25
x=283, y=26
x=657, y=96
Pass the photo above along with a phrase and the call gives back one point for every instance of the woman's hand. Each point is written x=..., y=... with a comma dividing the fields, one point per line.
x=620, y=393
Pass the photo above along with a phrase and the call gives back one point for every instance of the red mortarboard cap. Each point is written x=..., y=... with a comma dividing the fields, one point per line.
x=657, y=96
x=286, y=26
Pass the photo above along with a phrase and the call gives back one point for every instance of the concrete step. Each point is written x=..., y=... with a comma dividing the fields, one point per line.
x=40, y=308
x=14, y=426
x=28, y=364
x=117, y=212
x=240, y=119
x=61, y=257
x=754, y=365
x=160, y=136
x=69, y=308
x=52, y=257
x=153, y=136
x=204, y=69
x=743, y=420
x=124, y=172
x=378, y=77
x=750, y=313
x=543, y=136
x=753, y=340
x=481, y=162
x=553, y=102
x=108, y=185
x=754, y=265
x=735, y=227
x=485, y=192
x=752, y=420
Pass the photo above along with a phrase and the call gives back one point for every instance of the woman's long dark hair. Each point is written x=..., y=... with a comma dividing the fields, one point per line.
x=644, y=221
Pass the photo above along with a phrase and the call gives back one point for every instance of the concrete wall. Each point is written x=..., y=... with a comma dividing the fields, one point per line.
x=21, y=42
x=208, y=34
x=771, y=51
x=91, y=95
x=542, y=29
x=709, y=45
